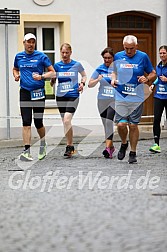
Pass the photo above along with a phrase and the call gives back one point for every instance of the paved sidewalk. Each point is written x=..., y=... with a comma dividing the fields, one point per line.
x=145, y=133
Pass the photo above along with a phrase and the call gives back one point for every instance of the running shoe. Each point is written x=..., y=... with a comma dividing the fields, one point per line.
x=69, y=151
x=26, y=156
x=122, y=151
x=155, y=148
x=42, y=152
x=132, y=157
x=108, y=152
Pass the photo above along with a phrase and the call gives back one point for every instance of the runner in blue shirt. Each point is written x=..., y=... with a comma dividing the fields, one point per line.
x=68, y=91
x=160, y=97
x=105, y=98
x=130, y=67
x=29, y=67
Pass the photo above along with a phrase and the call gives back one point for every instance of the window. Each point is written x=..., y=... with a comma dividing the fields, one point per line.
x=128, y=21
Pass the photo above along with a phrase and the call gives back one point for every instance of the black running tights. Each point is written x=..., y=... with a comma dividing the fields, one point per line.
x=159, y=105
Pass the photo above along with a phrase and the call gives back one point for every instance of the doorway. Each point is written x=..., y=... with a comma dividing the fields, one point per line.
x=144, y=28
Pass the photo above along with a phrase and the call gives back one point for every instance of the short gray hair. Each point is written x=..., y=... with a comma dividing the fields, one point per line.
x=130, y=39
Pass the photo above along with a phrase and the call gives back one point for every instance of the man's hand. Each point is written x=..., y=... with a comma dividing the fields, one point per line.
x=52, y=82
x=36, y=76
x=81, y=87
x=143, y=79
x=17, y=77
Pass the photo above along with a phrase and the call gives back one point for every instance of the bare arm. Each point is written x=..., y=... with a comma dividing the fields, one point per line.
x=114, y=80
x=149, y=78
x=93, y=82
x=83, y=80
x=84, y=77
x=48, y=75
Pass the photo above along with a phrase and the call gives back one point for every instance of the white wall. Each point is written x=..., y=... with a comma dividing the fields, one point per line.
x=88, y=39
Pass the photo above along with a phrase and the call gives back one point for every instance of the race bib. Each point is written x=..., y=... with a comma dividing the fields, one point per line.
x=66, y=87
x=162, y=89
x=37, y=94
x=108, y=91
x=129, y=89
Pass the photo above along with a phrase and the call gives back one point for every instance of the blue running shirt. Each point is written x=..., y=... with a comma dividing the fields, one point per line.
x=128, y=69
x=29, y=63
x=161, y=86
x=106, y=91
x=67, y=75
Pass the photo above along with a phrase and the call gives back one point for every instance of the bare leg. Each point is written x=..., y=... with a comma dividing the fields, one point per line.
x=68, y=130
x=41, y=133
x=26, y=132
x=133, y=136
x=122, y=131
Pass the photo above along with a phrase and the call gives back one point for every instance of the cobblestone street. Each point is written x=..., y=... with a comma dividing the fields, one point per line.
x=84, y=204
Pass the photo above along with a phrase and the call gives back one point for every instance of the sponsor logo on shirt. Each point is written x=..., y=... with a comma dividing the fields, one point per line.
x=28, y=65
x=65, y=74
x=135, y=66
x=107, y=75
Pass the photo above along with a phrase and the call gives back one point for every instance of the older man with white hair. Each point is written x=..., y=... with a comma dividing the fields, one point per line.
x=132, y=71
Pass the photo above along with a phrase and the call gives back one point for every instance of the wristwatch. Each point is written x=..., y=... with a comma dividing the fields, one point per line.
x=42, y=77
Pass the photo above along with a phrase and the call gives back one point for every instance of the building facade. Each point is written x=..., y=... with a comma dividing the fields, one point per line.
x=89, y=26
